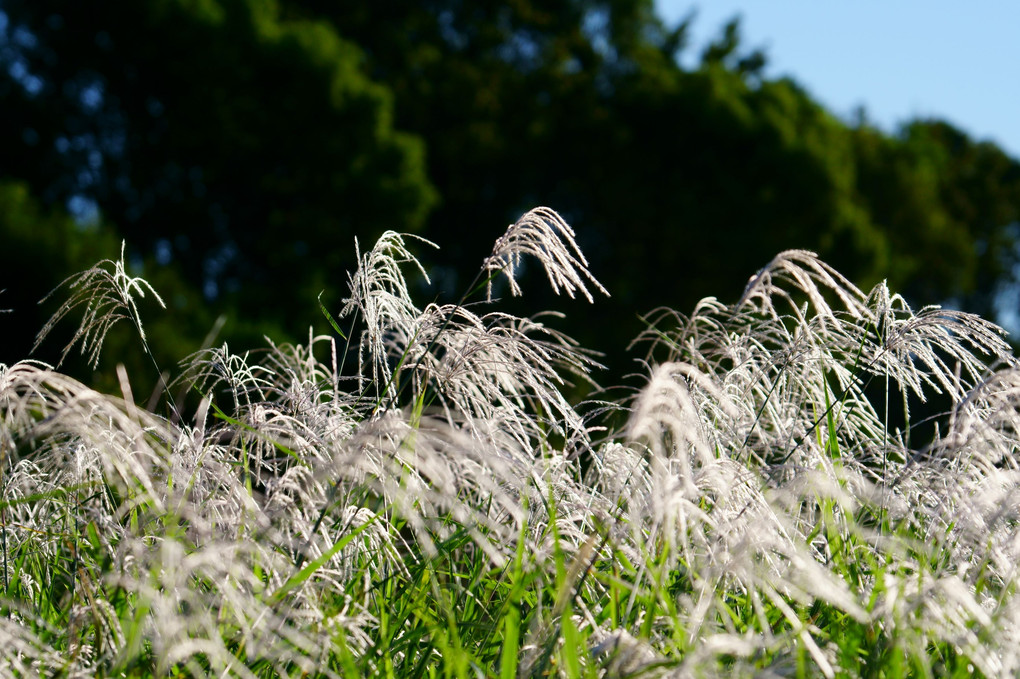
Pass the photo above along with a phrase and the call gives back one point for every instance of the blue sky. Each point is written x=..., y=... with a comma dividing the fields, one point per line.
x=900, y=59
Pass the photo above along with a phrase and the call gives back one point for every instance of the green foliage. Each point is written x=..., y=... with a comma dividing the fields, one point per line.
x=279, y=130
x=214, y=132
x=583, y=105
x=42, y=247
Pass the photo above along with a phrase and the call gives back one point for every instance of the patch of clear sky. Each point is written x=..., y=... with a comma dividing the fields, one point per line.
x=899, y=59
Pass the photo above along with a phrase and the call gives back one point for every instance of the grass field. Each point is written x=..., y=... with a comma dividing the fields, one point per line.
x=414, y=495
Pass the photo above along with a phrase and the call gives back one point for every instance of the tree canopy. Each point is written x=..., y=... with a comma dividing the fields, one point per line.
x=215, y=134
x=243, y=144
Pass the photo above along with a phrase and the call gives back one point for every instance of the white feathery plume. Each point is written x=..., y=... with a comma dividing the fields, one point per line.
x=379, y=294
x=801, y=272
x=218, y=367
x=939, y=349
x=496, y=368
x=108, y=296
x=543, y=234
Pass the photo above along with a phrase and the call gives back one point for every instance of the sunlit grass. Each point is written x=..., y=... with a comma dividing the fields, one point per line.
x=414, y=496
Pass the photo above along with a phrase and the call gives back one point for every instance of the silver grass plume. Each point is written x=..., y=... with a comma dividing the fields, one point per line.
x=543, y=234
x=380, y=296
x=108, y=294
x=499, y=369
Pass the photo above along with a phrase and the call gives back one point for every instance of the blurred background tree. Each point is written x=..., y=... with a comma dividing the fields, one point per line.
x=240, y=146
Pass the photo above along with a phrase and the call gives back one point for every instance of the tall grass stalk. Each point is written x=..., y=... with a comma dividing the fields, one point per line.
x=436, y=505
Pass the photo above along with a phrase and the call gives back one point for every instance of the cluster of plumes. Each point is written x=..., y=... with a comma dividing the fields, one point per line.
x=755, y=465
x=295, y=486
x=772, y=471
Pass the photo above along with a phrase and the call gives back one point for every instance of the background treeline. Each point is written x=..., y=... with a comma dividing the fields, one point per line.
x=239, y=146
